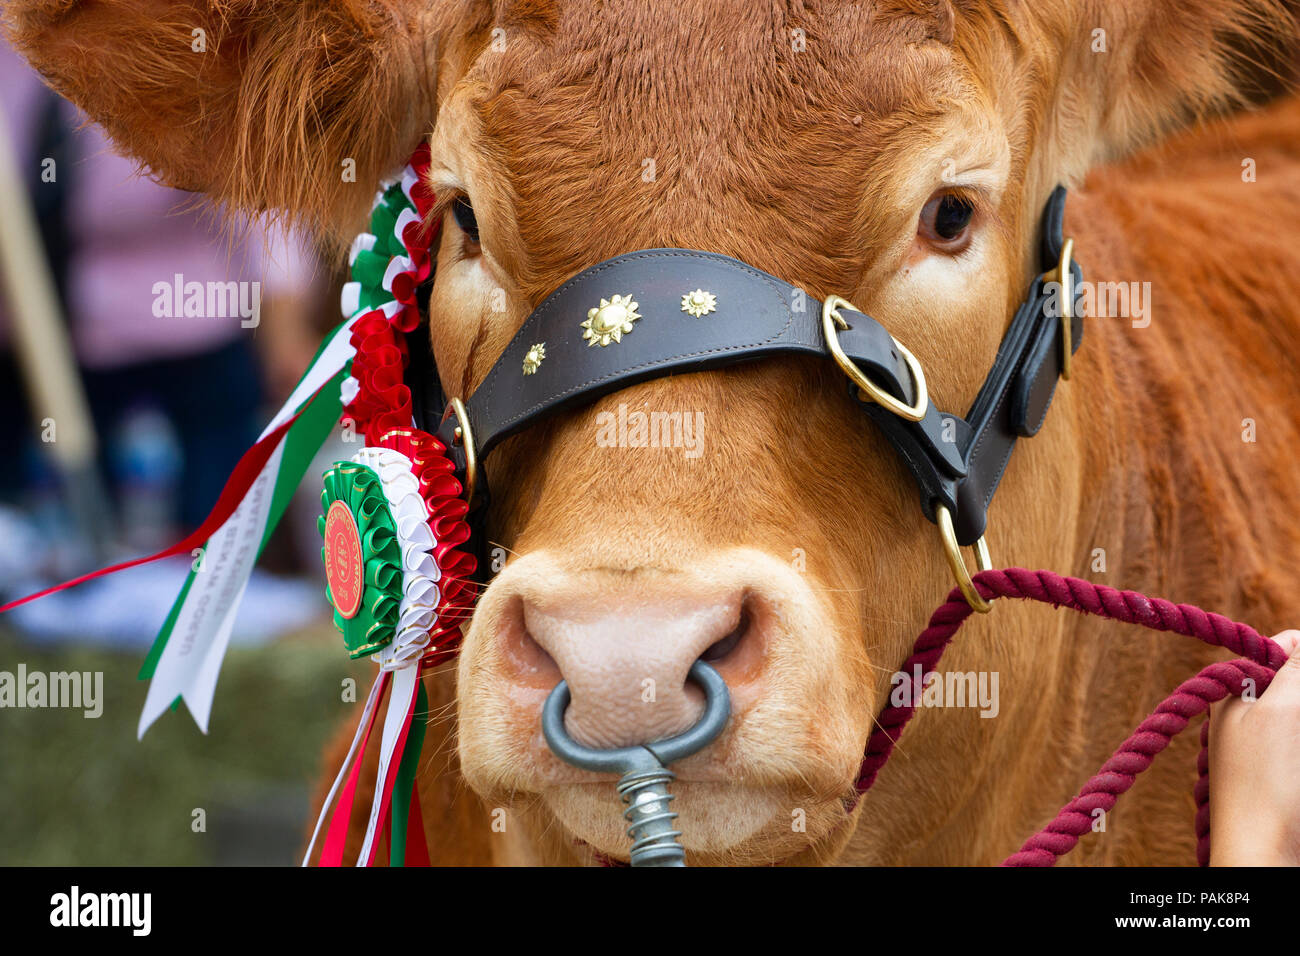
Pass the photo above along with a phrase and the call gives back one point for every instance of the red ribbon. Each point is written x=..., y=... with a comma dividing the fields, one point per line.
x=386, y=797
x=237, y=485
x=417, y=851
x=336, y=837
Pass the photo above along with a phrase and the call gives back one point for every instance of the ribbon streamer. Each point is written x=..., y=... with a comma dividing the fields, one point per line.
x=362, y=728
x=407, y=827
x=204, y=613
x=397, y=722
x=337, y=835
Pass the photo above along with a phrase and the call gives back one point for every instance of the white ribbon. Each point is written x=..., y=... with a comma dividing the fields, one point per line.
x=404, y=219
x=191, y=659
x=364, y=242
x=398, y=265
x=420, y=572
x=409, y=178
x=400, y=699
x=371, y=700
x=416, y=617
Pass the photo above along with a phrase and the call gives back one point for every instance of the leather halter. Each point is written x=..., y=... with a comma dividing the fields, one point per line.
x=956, y=461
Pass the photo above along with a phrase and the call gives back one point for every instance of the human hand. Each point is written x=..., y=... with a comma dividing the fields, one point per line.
x=1255, y=772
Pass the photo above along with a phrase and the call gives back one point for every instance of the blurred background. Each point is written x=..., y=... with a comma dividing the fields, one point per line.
x=124, y=419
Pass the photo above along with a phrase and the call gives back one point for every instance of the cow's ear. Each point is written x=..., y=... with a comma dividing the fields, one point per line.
x=296, y=105
x=1127, y=72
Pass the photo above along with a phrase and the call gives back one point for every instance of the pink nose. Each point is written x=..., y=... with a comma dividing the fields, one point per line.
x=627, y=665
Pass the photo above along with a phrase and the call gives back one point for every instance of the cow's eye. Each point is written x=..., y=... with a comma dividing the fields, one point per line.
x=463, y=213
x=945, y=220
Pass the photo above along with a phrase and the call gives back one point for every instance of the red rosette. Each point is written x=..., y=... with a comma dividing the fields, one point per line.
x=383, y=401
x=417, y=238
x=441, y=492
x=404, y=292
x=420, y=158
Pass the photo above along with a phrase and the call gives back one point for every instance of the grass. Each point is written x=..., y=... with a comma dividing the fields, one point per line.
x=78, y=791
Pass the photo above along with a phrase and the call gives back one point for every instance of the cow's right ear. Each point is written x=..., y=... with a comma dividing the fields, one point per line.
x=1127, y=73
x=295, y=105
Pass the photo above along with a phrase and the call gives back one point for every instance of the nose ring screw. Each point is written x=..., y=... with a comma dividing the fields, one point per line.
x=644, y=784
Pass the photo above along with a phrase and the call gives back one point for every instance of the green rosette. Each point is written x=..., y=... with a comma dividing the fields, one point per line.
x=363, y=558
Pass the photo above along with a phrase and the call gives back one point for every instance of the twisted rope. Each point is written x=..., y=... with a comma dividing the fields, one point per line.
x=1260, y=659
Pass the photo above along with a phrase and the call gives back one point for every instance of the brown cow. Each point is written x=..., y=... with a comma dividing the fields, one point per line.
x=814, y=140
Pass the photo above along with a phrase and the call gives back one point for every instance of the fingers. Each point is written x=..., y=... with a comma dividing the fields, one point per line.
x=1285, y=689
x=1290, y=640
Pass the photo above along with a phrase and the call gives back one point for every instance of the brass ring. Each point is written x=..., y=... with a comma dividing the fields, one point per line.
x=465, y=437
x=1059, y=275
x=830, y=319
x=952, y=551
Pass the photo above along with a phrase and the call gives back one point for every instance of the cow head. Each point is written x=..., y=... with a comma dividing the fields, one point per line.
x=896, y=153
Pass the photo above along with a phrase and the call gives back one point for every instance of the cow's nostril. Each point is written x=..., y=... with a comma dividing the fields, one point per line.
x=532, y=663
x=721, y=649
x=540, y=657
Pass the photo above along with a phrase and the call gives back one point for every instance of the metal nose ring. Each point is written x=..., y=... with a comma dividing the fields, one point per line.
x=643, y=785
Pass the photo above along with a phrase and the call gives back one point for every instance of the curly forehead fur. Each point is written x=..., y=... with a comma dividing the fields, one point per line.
x=654, y=130
x=284, y=92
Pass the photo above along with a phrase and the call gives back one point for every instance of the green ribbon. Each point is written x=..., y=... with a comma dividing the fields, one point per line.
x=375, y=623
x=319, y=418
x=404, y=785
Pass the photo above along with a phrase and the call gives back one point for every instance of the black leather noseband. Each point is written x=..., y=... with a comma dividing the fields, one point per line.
x=956, y=461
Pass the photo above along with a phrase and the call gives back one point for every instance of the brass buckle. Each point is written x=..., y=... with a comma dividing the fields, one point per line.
x=952, y=551
x=1063, y=275
x=869, y=390
x=464, y=437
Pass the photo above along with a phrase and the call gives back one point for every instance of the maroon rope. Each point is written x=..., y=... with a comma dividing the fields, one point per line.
x=1261, y=659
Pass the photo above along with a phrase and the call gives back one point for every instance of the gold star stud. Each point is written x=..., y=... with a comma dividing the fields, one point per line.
x=533, y=360
x=699, y=303
x=610, y=320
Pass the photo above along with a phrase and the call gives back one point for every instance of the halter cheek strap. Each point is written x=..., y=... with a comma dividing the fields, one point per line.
x=556, y=362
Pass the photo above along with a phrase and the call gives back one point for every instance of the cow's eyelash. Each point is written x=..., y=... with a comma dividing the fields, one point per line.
x=443, y=204
x=442, y=201
x=972, y=196
x=466, y=218
x=985, y=210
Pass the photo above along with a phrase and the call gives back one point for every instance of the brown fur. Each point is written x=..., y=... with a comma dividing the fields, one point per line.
x=812, y=165
x=264, y=119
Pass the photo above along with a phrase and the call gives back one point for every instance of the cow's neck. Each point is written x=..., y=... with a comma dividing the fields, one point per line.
x=1190, y=423
x=1172, y=498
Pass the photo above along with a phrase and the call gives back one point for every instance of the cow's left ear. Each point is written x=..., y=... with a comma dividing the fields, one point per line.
x=1122, y=74
x=296, y=105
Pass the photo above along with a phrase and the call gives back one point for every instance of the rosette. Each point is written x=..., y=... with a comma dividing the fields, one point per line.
x=363, y=558
x=376, y=531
